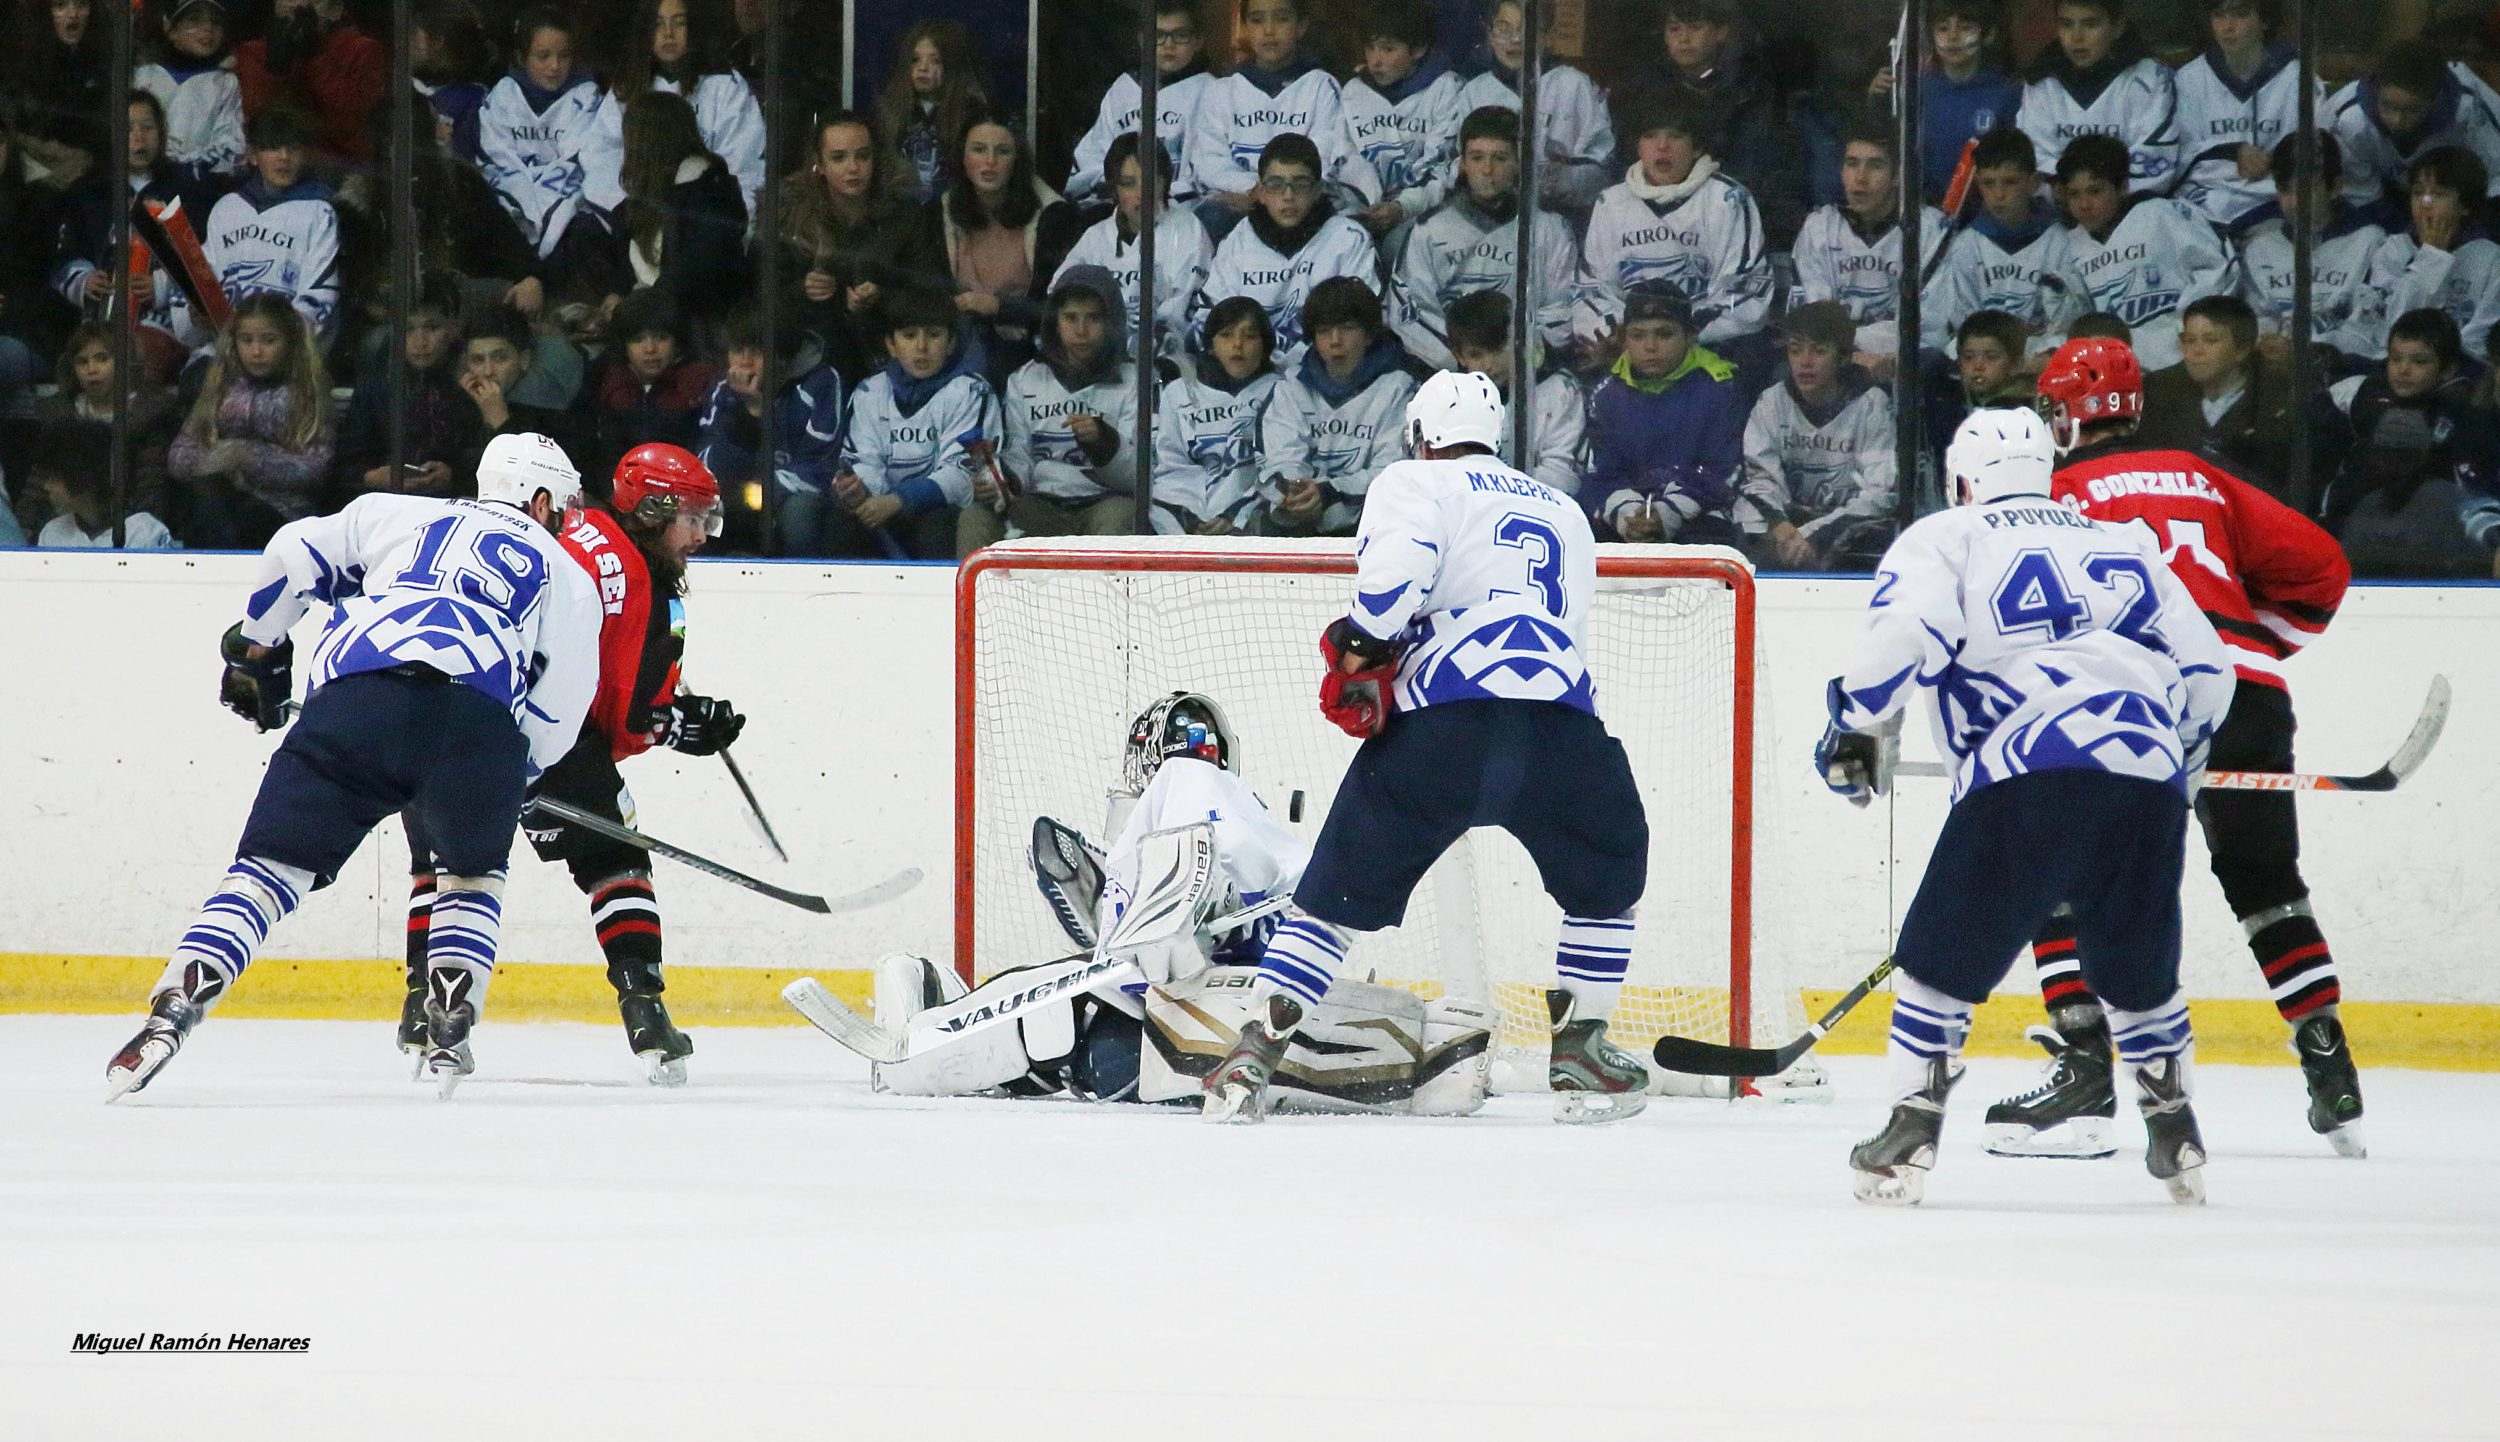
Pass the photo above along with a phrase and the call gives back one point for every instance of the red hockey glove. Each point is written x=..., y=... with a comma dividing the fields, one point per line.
x=1357, y=700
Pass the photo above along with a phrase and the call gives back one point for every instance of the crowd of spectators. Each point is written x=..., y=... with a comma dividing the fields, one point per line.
x=1715, y=268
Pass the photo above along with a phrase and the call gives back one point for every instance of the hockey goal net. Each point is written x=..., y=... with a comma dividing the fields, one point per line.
x=1060, y=643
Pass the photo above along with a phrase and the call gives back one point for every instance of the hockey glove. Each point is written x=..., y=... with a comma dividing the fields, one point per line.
x=1357, y=700
x=256, y=690
x=1851, y=764
x=698, y=725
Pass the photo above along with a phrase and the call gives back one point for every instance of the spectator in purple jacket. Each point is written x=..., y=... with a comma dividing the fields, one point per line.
x=1666, y=430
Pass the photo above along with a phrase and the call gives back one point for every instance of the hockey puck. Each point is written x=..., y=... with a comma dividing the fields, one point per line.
x=1293, y=808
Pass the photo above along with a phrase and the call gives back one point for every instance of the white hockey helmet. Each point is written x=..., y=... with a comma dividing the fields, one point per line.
x=1456, y=408
x=1182, y=723
x=517, y=467
x=1999, y=452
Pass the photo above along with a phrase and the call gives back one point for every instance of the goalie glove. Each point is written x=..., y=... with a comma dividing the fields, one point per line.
x=256, y=690
x=697, y=725
x=1357, y=700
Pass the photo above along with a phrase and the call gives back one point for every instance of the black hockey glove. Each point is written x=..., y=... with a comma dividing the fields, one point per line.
x=698, y=725
x=1851, y=764
x=258, y=691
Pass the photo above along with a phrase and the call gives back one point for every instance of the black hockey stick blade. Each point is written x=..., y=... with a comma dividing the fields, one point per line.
x=1701, y=1058
x=614, y=831
x=755, y=808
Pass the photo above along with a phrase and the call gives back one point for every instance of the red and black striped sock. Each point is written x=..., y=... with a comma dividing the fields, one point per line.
x=2060, y=967
x=420, y=924
x=626, y=913
x=2293, y=954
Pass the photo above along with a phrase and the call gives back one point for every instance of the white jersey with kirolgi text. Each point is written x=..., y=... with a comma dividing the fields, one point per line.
x=1838, y=261
x=2345, y=313
x=1486, y=575
x=1409, y=133
x=1579, y=133
x=2010, y=269
x=1237, y=118
x=2052, y=642
x=2218, y=114
x=1461, y=249
x=1260, y=857
x=1182, y=255
x=2139, y=105
x=1123, y=107
x=1245, y=264
x=473, y=589
x=2161, y=257
x=1702, y=236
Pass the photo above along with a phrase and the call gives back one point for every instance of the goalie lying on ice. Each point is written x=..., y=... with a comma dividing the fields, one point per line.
x=1366, y=1048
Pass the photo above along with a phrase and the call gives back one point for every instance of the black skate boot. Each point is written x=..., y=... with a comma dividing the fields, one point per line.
x=1236, y=1091
x=449, y=1014
x=171, y=1015
x=412, y=1033
x=1592, y=1079
x=2073, y=1111
x=2334, y=1083
x=654, y=1038
x=1892, y=1165
x=2174, y=1150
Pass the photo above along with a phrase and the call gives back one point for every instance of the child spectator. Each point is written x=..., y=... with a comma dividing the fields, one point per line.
x=448, y=62
x=495, y=369
x=1578, y=161
x=2097, y=80
x=74, y=473
x=315, y=61
x=2222, y=399
x=532, y=131
x=2446, y=261
x=1735, y=114
x=2344, y=311
x=63, y=79
x=1279, y=91
x=1989, y=371
x=2139, y=258
x=201, y=99
x=1005, y=233
x=1182, y=250
x=850, y=238
x=1070, y=412
x=1181, y=82
x=677, y=53
x=2237, y=101
x=1820, y=467
x=1962, y=96
x=930, y=98
x=682, y=224
x=921, y=428
x=2005, y=259
x=1558, y=442
x=810, y=421
x=1471, y=244
x=653, y=389
x=2415, y=495
x=1402, y=109
x=1292, y=242
x=1335, y=419
x=443, y=429
x=88, y=263
x=2416, y=103
x=255, y=453
x=1207, y=426
x=278, y=233
x=1678, y=219
x=462, y=227
x=32, y=319
x=84, y=403
x=1666, y=430
x=1851, y=252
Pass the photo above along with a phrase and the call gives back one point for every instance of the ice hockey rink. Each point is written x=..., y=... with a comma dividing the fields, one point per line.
x=776, y=1251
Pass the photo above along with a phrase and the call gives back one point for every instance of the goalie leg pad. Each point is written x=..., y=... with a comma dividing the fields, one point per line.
x=1364, y=1048
x=1457, y=1069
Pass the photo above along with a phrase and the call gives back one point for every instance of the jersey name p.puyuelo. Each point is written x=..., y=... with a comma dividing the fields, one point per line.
x=472, y=589
x=1486, y=574
x=2051, y=642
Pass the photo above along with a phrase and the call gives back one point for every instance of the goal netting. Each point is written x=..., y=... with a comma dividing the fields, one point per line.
x=1061, y=643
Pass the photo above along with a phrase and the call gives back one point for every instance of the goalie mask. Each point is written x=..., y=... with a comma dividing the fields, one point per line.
x=1183, y=723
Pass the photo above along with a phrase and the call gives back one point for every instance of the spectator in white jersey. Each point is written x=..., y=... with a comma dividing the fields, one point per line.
x=1851, y=252
x=2415, y=103
x=1558, y=437
x=1180, y=78
x=922, y=430
x=1471, y=244
x=1578, y=161
x=2097, y=80
x=1334, y=421
x=2141, y=258
x=1278, y=90
x=2344, y=312
x=203, y=100
x=1403, y=110
x=1820, y=469
x=1182, y=250
x=278, y=233
x=1207, y=426
x=678, y=51
x=1070, y=413
x=2237, y=100
x=2004, y=260
x=1291, y=243
x=2446, y=260
x=532, y=131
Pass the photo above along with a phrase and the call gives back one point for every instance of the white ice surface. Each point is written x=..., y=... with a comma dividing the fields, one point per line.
x=775, y=1252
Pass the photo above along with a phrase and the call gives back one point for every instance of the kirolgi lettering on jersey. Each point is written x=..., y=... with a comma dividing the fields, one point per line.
x=2152, y=483
x=911, y=435
x=1690, y=238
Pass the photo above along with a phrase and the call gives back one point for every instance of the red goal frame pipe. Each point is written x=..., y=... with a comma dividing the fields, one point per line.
x=1734, y=575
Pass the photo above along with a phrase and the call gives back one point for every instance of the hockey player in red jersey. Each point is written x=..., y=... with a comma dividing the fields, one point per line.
x=663, y=507
x=2270, y=580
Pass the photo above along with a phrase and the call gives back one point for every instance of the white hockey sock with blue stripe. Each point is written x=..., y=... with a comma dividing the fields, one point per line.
x=2145, y=1038
x=1590, y=963
x=1302, y=959
x=467, y=924
x=1926, y=1024
x=230, y=928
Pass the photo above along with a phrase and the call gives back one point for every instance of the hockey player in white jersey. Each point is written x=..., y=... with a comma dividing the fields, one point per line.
x=2237, y=101
x=2077, y=687
x=1471, y=244
x=1181, y=80
x=1460, y=664
x=2141, y=258
x=1403, y=111
x=1182, y=251
x=2346, y=314
x=1851, y=252
x=2097, y=80
x=458, y=659
x=2004, y=260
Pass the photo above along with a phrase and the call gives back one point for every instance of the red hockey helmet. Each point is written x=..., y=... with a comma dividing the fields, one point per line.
x=2091, y=379
x=658, y=483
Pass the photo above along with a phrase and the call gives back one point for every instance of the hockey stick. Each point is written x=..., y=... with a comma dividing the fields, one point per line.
x=877, y=895
x=755, y=808
x=1958, y=209
x=1701, y=1058
x=2407, y=760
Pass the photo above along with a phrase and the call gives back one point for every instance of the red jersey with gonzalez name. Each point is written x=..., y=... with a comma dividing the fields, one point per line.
x=2269, y=578
x=641, y=636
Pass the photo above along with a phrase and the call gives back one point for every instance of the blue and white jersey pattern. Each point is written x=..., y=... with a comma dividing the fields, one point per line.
x=2051, y=642
x=534, y=157
x=473, y=589
x=1259, y=856
x=1486, y=574
x=2161, y=257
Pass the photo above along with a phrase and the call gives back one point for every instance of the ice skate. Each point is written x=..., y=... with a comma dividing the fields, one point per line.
x=2073, y=1111
x=2334, y=1084
x=170, y=1019
x=1236, y=1091
x=1593, y=1080
x=1892, y=1165
x=412, y=1035
x=2174, y=1151
x=449, y=1014
x=654, y=1038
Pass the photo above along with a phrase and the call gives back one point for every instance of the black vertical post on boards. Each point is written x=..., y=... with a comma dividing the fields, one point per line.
x=2305, y=175
x=1150, y=180
x=1523, y=293
x=1909, y=415
x=403, y=233
x=121, y=21
x=767, y=219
